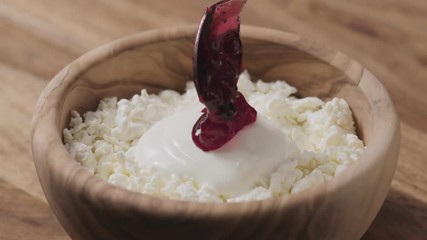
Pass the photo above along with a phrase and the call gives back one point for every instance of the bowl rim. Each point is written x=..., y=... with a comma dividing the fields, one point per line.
x=48, y=113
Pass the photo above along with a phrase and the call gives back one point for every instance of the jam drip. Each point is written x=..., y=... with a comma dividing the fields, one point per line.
x=217, y=66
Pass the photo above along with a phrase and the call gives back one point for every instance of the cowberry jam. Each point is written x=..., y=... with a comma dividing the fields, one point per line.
x=217, y=66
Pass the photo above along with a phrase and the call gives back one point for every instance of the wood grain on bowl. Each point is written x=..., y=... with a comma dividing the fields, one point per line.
x=89, y=208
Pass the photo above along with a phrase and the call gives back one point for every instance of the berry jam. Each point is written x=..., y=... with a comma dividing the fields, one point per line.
x=217, y=66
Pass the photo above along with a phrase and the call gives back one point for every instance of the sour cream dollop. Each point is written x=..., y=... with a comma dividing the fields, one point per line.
x=233, y=169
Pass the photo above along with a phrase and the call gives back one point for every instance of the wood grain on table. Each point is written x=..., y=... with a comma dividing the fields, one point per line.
x=38, y=38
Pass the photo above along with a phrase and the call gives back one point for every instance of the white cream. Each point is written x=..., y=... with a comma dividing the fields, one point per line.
x=233, y=169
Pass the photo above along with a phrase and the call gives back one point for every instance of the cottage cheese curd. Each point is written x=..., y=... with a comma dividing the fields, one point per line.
x=317, y=140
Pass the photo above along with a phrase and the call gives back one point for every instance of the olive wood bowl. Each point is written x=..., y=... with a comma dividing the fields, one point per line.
x=90, y=208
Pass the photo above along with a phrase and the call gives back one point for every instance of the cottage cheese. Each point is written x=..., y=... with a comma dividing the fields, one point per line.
x=319, y=136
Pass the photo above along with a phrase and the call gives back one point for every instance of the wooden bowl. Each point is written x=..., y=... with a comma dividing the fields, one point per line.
x=90, y=208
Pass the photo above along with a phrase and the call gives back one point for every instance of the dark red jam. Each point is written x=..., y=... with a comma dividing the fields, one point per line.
x=217, y=66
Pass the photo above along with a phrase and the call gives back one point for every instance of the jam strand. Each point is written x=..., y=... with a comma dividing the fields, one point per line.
x=217, y=66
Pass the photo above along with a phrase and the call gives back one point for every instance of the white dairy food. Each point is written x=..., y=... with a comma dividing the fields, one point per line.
x=233, y=169
x=318, y=142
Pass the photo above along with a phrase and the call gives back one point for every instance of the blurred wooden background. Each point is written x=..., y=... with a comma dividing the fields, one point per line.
x=38, y=38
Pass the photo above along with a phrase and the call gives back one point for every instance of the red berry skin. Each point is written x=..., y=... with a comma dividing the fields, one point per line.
x=217, y=65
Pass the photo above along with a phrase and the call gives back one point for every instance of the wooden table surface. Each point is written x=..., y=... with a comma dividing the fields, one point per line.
x=38, y=38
